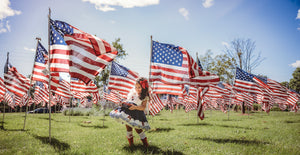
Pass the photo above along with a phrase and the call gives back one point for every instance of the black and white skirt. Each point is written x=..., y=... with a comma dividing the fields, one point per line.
x=133, y=118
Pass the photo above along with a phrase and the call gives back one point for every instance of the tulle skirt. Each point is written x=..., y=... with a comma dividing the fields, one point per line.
x=133, y=118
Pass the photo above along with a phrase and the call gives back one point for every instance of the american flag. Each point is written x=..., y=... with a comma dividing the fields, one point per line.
x=63, y=89
x=248, y=98
x=79, y=53
x=96, y=97
x=121, y=79
x=155, y=105
x=279, y=91
x=172, y=64
x=2, y=89
x=9, y=100
x=112, y=95
x=81, y=95
x=40, y=64
x=63, y=100
x=244, y=82
x=79, y=86
x=42, y=92
x=14, y=81
x=200, y=101
x=199, y=63
x=293, y=98
x=162, y=88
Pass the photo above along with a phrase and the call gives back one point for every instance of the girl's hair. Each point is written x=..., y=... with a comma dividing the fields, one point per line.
x=143, y=82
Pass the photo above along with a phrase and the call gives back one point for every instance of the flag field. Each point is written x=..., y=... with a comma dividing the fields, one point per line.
x=171, y=133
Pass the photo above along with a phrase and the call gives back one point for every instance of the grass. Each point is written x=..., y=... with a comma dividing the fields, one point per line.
x=171, y=133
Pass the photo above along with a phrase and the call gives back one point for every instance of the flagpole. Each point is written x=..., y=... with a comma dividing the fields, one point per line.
x=231, y=93
x=49, y=83
x=200, y=104
x=28, y=93
x=151, y=49
x=7, y=58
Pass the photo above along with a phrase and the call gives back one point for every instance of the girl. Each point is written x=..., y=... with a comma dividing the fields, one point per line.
x=131, y=112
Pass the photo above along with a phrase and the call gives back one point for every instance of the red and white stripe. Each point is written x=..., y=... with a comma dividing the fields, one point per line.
x=155, y=105
x=16, y=82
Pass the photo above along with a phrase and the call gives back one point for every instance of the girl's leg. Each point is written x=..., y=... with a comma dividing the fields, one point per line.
x=129, y=135
x=142, y=136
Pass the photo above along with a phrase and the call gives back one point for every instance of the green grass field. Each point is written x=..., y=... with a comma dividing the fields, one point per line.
x=171, y=133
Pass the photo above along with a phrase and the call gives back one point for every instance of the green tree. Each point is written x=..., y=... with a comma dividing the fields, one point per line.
x=295, y=81
x=102, y=78
x=221, y=65
x=206, y=61
x=224, y=67
x=285, y=84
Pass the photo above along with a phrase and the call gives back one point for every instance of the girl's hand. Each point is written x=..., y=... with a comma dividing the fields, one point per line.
x=133, y=107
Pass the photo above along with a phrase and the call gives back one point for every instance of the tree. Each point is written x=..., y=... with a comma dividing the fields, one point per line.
x=243, y=52
x=295, y=81
x=221, y=65
x=102, y=78
x=206, y=61
x=224, y=67
x=285, y=84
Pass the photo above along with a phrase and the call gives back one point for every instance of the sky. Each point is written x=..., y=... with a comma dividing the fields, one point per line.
x=196, y=25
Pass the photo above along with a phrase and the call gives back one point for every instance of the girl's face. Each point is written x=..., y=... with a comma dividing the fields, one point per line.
x=138, y=88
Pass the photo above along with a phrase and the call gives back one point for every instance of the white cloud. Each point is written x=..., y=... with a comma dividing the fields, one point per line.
x=298, y=15
x=225, y=44
x=6, y=11
x=4, y=28
x=207, y=3
x=29, y=49
x=108, y=5
x=296, y=64
x=184, y=12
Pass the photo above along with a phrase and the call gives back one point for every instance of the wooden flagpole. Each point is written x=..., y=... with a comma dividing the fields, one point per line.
x=28, y=93
x=49, y=83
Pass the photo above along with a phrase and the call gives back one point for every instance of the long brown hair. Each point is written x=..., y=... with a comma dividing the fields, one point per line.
x=143, y=82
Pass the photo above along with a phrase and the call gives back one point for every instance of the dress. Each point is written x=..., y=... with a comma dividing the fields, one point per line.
x=133, y=118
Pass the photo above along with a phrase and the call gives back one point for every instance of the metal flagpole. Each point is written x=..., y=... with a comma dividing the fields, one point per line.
x=151, y=45
x=5, y=92
x=28, y=93
x=231, y=93
x=49, y=83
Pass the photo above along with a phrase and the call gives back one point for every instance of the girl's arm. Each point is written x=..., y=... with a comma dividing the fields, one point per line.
x=142, y=107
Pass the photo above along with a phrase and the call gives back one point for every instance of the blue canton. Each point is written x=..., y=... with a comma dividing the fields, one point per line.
x=40, y=54
x=57, y=31
x=242, y=75
x=166, y=54
x=118, y=70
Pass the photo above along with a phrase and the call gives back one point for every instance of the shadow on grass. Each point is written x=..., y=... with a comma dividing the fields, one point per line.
x=94, y=126
x=207, y=124
x=196, y=124
x=45, y=118
x=163, y=119
x=2, y=128
x=152, y=149
x=55, y=143
x=161, y=130
x=289, y=122
x=235, y=141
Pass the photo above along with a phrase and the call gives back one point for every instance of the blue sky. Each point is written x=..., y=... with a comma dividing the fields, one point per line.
x=196, y=25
